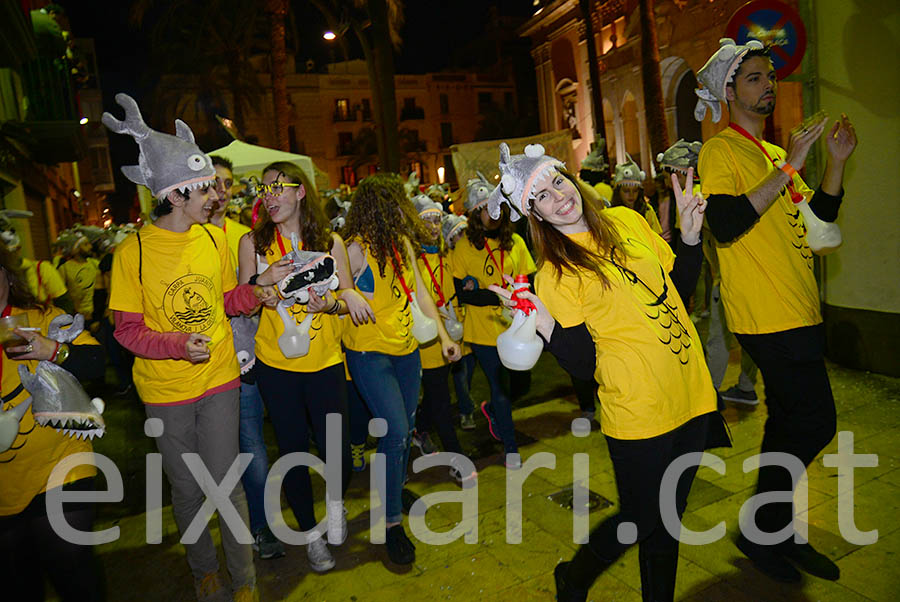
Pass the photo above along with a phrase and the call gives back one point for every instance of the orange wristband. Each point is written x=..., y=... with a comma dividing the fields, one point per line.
x=788, y=169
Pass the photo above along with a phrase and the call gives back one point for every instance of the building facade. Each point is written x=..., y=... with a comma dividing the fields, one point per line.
x=688, y=34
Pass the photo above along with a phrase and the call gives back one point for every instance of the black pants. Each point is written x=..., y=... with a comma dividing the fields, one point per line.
x=298, y=401
x=30, y=550
x=586, y=393
x=639, y=466
x=434, y=412
x=802, y=418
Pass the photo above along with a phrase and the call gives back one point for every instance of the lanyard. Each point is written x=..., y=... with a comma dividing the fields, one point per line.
x=437, y=287
x=500, y=265
x=796, y=197
x=39, y=281
x=281, y=244
x=398, y=269
x=225, y=226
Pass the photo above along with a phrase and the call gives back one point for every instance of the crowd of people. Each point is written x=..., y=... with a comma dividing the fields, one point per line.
x=202, y=311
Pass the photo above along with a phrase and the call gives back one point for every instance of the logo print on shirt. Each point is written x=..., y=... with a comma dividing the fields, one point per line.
x=661, y=311
x=798, y=227
x=188, y=305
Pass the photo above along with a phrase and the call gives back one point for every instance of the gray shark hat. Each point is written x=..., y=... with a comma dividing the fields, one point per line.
x=717, y=73
x=518, y=176
x=425, y=206
x=166, y=162
x=477, y=192
x=680, y=156
x=451, y=225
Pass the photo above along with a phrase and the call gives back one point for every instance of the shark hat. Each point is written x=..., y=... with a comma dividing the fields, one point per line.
x=518, y=175
x=680, y=156
x=425, y=206
x=628, y=174
x=717, y=73
x=594, y=161
x=451, y=226
x=477, y=191
x=166, y=162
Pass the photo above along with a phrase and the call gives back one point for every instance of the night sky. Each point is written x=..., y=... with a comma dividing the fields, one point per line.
x=432, y=31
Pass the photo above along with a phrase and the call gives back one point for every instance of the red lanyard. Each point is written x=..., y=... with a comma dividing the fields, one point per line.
x=796, y=197
x=398, y=269
x=437, y=286
x=281, y=244
x=225, y=226
x=500, y=265
x=39, y=279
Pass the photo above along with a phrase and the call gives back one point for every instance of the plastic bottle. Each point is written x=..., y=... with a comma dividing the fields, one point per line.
x=519, y=283
x=294, y=341
x=519, y=347
x=822, y=237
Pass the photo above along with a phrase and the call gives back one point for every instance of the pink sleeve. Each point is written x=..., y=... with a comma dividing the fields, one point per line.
x=241, y=300
x=138, y=338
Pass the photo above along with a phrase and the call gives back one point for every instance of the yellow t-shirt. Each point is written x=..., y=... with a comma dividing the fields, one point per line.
x=184, y=276
x=483, y=324
x=390, y=334
x=650, y=216
x=768, y=283
x=49, y=285
x=233, y=232
x=26, y=466
x=650, y=367
x=604, y=190
x=80, y=278
x=324, y=334
x=440, y=275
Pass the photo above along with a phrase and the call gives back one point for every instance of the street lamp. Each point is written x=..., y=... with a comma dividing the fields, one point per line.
x=329, y=35
x=83, y=121
x=440, y=171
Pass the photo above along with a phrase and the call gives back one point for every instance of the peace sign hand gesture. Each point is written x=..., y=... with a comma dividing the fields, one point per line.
x=690, y=207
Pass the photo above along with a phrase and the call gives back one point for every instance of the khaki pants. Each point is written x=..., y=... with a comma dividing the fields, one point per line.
x=209, y=428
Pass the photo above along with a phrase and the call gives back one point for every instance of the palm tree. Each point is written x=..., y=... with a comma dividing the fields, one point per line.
x=376, y=24
x=205, y=49
x=653, y=94
x=594, y=76
x=277, y=11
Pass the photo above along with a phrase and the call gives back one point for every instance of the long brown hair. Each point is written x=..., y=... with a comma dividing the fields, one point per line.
x=382, y=216
x=476, y=233
x=639, y=205
x=315, y=231
x=560, y=251
x=19, y=294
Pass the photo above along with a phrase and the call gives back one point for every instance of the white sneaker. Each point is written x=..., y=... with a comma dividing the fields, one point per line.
x=320, y=559
x=337, y=522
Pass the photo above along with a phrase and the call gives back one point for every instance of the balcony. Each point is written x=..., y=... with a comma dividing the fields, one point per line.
x=343, y=116
x=17, y=44
x=344, y=149
x=410, y=113
x=50, y=130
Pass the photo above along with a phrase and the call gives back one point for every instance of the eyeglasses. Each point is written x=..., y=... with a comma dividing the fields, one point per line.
x=275, y=188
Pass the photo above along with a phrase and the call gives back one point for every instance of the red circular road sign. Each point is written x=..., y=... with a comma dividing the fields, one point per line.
x=777, y=25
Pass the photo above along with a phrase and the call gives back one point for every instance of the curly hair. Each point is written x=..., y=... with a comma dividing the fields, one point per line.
x=19, y=294
x=315, y=230
x=382, y=216
x=563, y=253
x=476, y=232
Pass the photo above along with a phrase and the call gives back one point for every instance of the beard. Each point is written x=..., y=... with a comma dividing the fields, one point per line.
x=764, y=107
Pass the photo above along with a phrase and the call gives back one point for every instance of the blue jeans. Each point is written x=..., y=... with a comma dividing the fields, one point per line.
x=389, y=384
x=500, y=405
x=462, y=372
x=250, y=440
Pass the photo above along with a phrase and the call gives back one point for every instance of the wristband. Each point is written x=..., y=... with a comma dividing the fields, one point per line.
x=61, y=355
x=55, y=352
x=788, y=169
x=253, y=279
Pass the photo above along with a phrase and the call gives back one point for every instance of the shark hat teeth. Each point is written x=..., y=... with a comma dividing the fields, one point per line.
x=717, y=73
x=628, y=173
x=165, y=162
x=680, y=156
x=518, y=176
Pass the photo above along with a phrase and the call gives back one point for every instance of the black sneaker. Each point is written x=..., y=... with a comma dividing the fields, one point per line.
x=268, y=546
x=737, y=395
x=563, y=592
x=424, y=443
x=407, y=499
x=809, y=560
x=400, y=549
x=769, y=560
